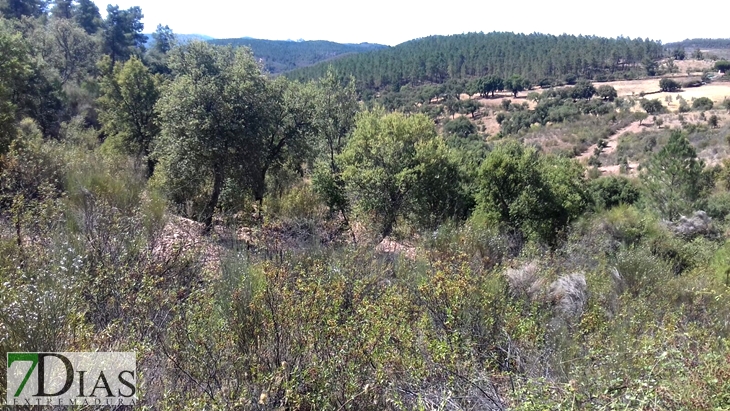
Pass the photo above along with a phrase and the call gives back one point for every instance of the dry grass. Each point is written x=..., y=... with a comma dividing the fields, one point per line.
x=696, y=67
x=612, y=142
x=717, y=92
x=711, y=145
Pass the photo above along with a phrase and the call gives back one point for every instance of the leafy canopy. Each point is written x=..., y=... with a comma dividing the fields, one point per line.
x=129, y=93
x=210, y=118
x=396, y=166
x=537, y=195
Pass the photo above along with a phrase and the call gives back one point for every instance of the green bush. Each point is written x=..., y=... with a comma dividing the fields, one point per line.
x=702, y=104
x=538, y=195
x=298, y=203
x=627, y=224
x=642, y=272
x=612, y=191
x=718, y=205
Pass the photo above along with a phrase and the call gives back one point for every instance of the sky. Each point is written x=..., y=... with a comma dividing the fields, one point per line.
x=393, y=21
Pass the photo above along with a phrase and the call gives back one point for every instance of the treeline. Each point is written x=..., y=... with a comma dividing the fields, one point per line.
x=280, y=56
x=700, y=44
x=49, y=57
x=436, y=59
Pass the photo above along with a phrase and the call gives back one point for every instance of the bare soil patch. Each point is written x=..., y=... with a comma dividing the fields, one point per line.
x=612, y=142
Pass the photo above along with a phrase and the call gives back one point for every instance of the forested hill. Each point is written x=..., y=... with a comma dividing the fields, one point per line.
x=701, y=44
x=280, y=56
x=437, y=59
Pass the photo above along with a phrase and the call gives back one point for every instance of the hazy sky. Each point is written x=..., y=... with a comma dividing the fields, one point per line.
x=393, y=21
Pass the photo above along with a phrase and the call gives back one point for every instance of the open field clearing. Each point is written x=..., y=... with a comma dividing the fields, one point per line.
x=693, y=65
x=717, y=92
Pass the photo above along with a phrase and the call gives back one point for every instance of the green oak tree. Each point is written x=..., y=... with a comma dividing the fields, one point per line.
x=287, y=131
x=211, y=117
x=515, y=84
x=607, y=93
x=583, y=90
x=70, y=50
x=669, y=85
x=529, y=193
x=652, y=107
x=471, y=106
x=129, y=93
x=398, y=167
x=722, y=66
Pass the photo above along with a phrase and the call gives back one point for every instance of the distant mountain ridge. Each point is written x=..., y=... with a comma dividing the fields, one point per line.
x=701, y=44
x=540, y=58
x=281, y=56
x=181, y=38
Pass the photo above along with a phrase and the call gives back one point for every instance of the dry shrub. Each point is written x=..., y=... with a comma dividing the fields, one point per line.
x=570, y=294
x=525, y=282
x=699, y=224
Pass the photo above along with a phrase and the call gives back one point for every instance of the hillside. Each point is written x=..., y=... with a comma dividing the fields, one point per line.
x=701, y=44
x=712, y=49
x=281, y=56
x=437, y=59
x=181, y=38
x=515, y=238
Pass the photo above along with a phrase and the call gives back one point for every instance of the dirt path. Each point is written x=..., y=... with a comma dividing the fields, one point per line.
x=612, y=142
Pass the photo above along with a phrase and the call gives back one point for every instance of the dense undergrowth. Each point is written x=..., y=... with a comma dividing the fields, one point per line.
x=623, y=313
x=268, y=244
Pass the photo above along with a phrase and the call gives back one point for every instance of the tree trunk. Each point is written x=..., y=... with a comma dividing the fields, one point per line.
x=387, y=227
x=259, y=190
x=210, y=207
x=150, y=167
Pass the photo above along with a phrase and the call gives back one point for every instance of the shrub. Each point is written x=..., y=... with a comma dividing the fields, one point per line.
x=611, y=191
x=298, y=203
x=641, y=271
x=669, y=85
x=712, y=121
x=718, y=205
x=702, y=104
x=534, y=194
